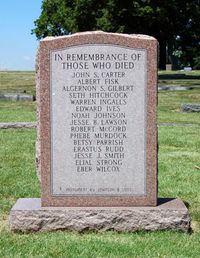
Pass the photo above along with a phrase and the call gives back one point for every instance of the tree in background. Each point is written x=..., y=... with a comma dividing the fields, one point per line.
x=175, y=23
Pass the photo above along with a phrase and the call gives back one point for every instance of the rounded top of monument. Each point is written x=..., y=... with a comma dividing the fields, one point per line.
x=99, y=32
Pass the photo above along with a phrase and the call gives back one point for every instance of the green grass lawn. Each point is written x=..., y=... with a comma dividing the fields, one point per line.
x=179, y=78
x=15, y=82
x=17, y=111
x=169, y=103
x=178, y=175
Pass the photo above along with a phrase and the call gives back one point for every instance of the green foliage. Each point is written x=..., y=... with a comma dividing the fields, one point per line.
x=60, y=17
x=197, y=62
x=161, y=18
x=56, y=18
x=165, y=20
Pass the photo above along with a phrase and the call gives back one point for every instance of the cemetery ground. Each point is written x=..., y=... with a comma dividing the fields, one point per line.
x=178, y=176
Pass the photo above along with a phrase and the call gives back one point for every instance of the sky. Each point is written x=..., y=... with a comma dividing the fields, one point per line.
x=17, y=46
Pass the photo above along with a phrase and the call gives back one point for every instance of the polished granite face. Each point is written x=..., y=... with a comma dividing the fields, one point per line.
x=103, y=102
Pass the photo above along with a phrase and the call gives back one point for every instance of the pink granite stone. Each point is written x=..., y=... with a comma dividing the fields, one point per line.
x=28, y=216
x=44, y=148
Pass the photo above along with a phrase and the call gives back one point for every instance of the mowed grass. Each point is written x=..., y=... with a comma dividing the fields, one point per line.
x=169, y=107
x=17, y=167
x=17, y=111
x=178, y=175
x=181, y=78
x=17, y=82
x=101, y=245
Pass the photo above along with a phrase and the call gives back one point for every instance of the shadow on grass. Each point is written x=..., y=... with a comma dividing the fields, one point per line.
x=178, y=76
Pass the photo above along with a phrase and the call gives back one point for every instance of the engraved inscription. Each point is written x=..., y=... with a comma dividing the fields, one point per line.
x=98, y=113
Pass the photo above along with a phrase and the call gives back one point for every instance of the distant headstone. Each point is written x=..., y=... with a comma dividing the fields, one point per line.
x=187, y=69
x=97, y=133
x=169, y=67
x=190, y=107
x=17, y=97
x=173, y=88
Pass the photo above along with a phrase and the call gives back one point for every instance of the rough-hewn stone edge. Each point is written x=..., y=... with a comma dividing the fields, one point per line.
x=27, y=215
x=17, y=125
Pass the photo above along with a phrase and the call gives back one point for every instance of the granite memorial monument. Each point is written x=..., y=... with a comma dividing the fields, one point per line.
x=97, y=137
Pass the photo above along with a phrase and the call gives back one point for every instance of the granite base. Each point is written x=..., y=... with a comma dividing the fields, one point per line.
x=27, y=215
